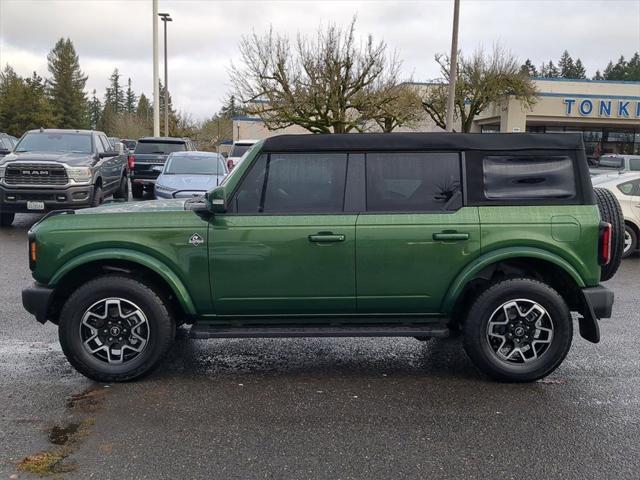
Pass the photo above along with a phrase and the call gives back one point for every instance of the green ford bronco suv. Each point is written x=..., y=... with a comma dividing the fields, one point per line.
x=496, y=237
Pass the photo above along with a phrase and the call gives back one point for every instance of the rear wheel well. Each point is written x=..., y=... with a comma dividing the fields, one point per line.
x=549, y=273
x=80, y=275
x=633, y=226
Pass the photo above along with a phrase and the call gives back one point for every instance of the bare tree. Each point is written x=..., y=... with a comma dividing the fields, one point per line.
x=329, y=83
x=483, y=79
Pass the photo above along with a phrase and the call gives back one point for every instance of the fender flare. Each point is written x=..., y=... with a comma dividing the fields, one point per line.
x=143, y=259
x=464, y=277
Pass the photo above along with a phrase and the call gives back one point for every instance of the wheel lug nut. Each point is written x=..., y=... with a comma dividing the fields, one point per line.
x=119, y=339
x=110, y=339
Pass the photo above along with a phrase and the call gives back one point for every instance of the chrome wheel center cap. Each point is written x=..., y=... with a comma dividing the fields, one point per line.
x=114, y=331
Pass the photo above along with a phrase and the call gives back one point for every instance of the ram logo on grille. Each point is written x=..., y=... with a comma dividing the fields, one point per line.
x=40, y=173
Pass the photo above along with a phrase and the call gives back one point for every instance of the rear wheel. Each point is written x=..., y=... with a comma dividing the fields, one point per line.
x=630, y=241
x=115, y=329
x=137, y=191
x=123, y=189
x=6, y=219
x=611, y=212
x=518, y=330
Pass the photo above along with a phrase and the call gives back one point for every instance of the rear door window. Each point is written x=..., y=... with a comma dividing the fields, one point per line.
x=294, y=183
x=413, y=182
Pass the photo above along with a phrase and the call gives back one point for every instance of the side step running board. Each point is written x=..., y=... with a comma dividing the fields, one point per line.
x=206, y=331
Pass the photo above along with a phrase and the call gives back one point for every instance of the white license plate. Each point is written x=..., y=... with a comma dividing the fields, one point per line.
x=35, y=205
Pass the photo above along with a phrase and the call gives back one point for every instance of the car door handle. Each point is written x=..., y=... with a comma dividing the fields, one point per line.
x=328, y=237
x=451, y=236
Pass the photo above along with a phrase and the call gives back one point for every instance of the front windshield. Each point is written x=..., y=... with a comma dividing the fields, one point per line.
x=610, y=162
x=55, y=142
x=160, y=148
x=194, y=165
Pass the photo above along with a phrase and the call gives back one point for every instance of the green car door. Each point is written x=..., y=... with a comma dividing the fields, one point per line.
x=415, y=236
x=285, y=246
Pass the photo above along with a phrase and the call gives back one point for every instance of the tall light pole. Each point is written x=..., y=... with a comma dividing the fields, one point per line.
x=156, y=90
x=166, y=18
x=453, y=68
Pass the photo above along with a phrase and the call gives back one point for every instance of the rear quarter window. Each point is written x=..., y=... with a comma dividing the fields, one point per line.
x=528, y=177
x=523, y=178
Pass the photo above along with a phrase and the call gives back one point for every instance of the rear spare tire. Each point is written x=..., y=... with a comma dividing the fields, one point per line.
x=611, y=212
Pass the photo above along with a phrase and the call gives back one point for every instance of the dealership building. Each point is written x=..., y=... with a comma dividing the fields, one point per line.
x=607, y=113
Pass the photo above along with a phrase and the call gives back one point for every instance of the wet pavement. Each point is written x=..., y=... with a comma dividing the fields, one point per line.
x=316, y=408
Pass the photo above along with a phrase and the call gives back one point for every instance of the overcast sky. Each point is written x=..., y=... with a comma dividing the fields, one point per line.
x=204, y=36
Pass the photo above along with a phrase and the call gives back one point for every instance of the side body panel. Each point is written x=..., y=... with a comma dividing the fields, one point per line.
x=401, y=267
x=569, y=232
x=158, y=240
x=266, y=264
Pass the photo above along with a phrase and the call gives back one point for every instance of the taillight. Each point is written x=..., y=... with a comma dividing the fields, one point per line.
x=604, y=250
x=132, y=162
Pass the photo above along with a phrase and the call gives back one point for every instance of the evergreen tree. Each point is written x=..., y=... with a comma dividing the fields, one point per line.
x=230, y=108
x=633, y=68
x=114, y=95
x=23, y=103
x=173, y=119
x=617, y=71
x=528, y=68
x=566, y=66
x=130, y=98
x=95, y=110
x=144, y=110
x=549, y=70
x=579, y=71
x=108, y=119
x=598, y=76
x=65, y=88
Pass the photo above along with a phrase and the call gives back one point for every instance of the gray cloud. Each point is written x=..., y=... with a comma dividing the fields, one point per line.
x=203, y=38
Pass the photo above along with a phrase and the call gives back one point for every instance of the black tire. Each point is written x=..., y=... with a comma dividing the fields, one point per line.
x=6, y=219
x=630, y=241
x=123, y=189
x=487, y=306
x=611, y=212
x=98, y=197
x=137, y=191
x=161, y=328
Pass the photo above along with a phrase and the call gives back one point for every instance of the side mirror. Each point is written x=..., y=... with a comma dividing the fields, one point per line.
x=4, y=151
x=107, y=154
x=225, y=154
x=216, y=200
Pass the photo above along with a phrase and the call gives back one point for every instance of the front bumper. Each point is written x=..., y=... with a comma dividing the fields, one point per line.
x=14, y=200
x=36, y=300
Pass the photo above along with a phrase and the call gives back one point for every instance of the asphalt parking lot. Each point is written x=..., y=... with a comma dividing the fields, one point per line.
x=316, y=408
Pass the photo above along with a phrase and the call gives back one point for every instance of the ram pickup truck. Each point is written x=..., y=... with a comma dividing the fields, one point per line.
x=148, y=159
x=495, y=237
x=60, y=169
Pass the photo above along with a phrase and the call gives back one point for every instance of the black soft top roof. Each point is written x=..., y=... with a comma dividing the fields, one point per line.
x=423, y=141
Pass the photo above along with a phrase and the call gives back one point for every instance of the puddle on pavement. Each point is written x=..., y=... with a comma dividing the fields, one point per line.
x=66, y=438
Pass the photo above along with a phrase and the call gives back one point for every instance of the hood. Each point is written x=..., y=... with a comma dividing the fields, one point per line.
x=71, y=159
x=133, y=207
x=190, y=182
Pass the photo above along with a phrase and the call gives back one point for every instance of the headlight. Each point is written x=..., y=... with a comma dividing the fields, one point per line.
x=162, y=188
x=79, y=174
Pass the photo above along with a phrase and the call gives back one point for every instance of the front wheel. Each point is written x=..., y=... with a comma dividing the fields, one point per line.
x=115, y=328
x=518, y=330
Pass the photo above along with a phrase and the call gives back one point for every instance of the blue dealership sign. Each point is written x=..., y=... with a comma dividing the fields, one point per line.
x=602, y=107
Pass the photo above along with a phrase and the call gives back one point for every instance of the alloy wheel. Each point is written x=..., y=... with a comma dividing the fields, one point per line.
x=519, y=331
x=114, y=330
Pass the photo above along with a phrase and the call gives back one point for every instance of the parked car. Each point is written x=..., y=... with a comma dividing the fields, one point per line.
x=129, y=144
x=7, y=143
x=496, y=236
x=626, y=188
x=239, y=149
x=60, y=169
x=148, y=158
x=613, y=162
x=190, y=174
